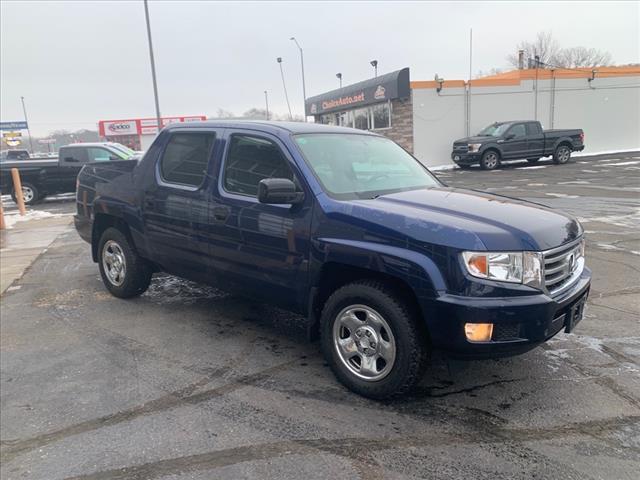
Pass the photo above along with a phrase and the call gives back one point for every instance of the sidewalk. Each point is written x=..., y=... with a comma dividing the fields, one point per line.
x=25, y=240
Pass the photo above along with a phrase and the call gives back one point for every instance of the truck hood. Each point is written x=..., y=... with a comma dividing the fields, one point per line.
x=468, y=219
x=475, y=139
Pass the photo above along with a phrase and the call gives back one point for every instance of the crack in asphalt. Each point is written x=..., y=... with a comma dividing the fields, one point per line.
x=166, y=402
x=353, y=448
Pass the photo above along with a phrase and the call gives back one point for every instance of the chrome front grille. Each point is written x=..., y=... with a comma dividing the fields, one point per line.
x=461, y=148
x=563, y=265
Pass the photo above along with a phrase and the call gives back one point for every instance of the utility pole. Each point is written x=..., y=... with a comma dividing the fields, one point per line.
x=304, y=88
x=284, y=86
x=266, y=103
x=535, y=107
x=153, y=66
x=468, y=126
x=24, y=110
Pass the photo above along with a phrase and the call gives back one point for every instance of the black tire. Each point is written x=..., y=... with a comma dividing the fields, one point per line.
x=411, y=345
x=137, y=272
x=532, y=160
x=562, y=155
x=490, y=160
x=30, y=193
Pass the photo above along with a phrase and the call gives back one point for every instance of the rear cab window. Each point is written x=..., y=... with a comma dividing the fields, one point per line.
x=73, y=156
x=185, y=159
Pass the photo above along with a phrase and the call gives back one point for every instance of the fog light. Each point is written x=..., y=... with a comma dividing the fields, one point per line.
x=478, y=332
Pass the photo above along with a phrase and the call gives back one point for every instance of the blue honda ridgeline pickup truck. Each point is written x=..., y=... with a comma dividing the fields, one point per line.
x=346, y=228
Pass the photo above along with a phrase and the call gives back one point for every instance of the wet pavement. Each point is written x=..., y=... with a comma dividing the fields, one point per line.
x=187, y=382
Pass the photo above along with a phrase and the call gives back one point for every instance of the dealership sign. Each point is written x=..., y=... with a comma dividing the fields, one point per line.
x=13, y=126
x=385, y=87
x=140, y=126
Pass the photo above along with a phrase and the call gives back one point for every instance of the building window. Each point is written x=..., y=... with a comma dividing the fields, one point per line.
x=362, y=119
x=376, y=116
x=186, y=157
x=381, y=115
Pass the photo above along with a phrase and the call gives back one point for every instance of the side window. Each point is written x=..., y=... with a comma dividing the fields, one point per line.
x=99, y=154
x=518, y=130
x=250, y=159
x=73, y=155
x=533, y=129
x=186, y=157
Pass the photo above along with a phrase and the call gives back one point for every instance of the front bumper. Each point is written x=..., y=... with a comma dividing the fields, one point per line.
x=520, y=323
x=465, y=158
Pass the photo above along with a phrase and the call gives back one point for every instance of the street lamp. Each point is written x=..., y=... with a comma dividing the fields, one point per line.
x=304, y=90
x=374, y=64
x=24, y=110
x=284, y=86
x=266, y=103
x=339, y=77
x=153, y=66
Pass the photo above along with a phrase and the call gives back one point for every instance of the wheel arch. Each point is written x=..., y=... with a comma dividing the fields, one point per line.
x=410, y=275
x=101, y=222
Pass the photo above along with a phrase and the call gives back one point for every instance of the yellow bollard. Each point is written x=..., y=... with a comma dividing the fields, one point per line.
x=2, y=224
x=17, y=188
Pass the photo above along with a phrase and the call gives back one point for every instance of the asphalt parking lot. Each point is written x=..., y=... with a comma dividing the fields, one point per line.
x=187, y=382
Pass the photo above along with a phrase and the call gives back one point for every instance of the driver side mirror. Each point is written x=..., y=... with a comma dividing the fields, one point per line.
x=510, y=136
x=279, y=191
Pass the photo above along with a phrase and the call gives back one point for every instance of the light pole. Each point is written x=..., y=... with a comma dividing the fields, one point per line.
x=153, y=66
x=266, y=103
x=284, y=86
x=339, y=77
x=24, y=110
x=304, y=88
x=374, y=64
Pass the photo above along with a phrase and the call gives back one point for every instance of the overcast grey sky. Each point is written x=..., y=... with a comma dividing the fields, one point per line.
x=79, y=62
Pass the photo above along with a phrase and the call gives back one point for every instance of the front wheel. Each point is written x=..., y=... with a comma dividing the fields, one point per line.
x=490, y=160
x=562, y=155
x=123, y=272
x=30, y=194
x=372, y=341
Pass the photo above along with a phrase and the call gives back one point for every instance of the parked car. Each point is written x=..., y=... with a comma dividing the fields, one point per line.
x=42, y=177
x=6, y=155
x=346, y=228
x=515, y=141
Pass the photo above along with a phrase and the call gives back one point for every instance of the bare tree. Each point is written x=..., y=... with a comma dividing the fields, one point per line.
x=551, y=55
x=222, y=113
x=582, y=57
x=544, y=46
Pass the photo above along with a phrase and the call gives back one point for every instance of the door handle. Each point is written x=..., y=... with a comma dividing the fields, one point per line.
x=220, y=213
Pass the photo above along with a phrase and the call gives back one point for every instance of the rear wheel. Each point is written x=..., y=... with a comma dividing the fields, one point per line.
x=123, y=272
x=490, y=160
x=371, y=340
x=30, y=194
x=562, y=155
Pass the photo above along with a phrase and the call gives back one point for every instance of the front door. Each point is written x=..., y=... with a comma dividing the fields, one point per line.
x=516, y=146
x=262, y=249
x=176, y=207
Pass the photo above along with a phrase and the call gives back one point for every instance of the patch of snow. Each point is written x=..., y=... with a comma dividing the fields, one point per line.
x=575, y=182
x=589, y=171
x=623, y=163
x=11, y=219
x=533, y=168
x=561, y=195
x=536, y=184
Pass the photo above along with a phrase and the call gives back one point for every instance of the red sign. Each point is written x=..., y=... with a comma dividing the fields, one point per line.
x=140, y=126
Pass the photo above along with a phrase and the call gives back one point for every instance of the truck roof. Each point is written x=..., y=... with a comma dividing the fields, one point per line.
x=270, y=126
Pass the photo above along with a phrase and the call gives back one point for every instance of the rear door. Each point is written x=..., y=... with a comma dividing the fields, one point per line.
x=515, y=147
x=175, y=206
x=535, y=140
x=262, y=249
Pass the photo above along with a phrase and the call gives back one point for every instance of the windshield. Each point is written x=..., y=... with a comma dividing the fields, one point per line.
x=353, y=166
x=495, y=130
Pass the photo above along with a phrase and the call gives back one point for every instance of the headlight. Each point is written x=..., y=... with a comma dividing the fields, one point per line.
x=512, y=267
x=474, y=147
